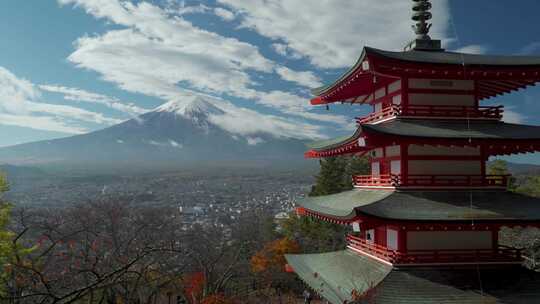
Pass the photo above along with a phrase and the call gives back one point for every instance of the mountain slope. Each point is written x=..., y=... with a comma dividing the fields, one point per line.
x=179, y=132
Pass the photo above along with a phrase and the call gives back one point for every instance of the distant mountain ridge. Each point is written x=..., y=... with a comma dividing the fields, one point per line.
x=175, y=133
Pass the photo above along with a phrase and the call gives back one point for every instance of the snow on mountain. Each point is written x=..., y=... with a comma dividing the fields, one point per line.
x=179, y=131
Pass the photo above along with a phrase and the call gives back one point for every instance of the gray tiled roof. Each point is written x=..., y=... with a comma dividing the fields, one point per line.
x=334, y=275
x=457, y=58
x=447, y=129
x=426, y=205
x=451, y=58
x=455, y=129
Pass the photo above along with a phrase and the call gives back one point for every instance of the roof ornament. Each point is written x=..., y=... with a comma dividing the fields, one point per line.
x=421, y=15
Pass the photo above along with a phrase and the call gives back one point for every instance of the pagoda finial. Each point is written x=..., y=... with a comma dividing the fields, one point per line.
x=421, y=14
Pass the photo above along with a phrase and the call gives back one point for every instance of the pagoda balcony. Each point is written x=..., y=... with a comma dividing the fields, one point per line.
x=499, y=255
x=431, y=181
x=427, y=111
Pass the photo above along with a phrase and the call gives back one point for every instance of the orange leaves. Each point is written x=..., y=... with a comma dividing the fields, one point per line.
x=194, y=284
x=273, y=255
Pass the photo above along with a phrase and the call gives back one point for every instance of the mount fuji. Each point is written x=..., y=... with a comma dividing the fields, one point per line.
x=174, y=134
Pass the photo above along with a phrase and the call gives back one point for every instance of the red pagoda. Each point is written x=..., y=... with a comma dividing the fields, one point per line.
x=426, y=221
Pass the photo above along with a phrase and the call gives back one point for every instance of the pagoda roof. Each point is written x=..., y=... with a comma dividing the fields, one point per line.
x=440, y=131
x=337, y=275
x=456, y=58
x=461, y=129
x=497, y=74
x=424, y=205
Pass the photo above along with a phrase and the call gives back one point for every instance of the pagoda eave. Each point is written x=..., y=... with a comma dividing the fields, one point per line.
x=495, y=75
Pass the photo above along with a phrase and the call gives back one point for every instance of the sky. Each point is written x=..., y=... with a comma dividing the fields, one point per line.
x=75, y=66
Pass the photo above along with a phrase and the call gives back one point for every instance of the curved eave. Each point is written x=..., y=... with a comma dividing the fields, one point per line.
x=428, y=206
x=337, y=146
x=498, y=74
x=449, y=129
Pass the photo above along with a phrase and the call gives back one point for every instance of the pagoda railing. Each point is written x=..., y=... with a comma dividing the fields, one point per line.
x=383, y=180
x=442, y=181
x=439, y=111
x=501, y=254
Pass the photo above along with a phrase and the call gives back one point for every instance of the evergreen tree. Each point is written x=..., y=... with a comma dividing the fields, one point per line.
x=330, y=179
x=500, y=167
x=336, y=174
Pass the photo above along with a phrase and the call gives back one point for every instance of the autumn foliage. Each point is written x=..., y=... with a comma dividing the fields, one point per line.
x=273, y=255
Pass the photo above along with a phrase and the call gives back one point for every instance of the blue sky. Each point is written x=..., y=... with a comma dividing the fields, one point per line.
x=74, y=66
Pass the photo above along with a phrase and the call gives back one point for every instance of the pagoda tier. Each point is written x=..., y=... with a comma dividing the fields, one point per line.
x=427, y=227
x=343, y=277
x=479, y=75
x=434, y=153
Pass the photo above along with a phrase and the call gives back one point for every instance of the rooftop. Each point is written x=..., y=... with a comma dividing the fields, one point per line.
x=338, y=275
x=425, y=205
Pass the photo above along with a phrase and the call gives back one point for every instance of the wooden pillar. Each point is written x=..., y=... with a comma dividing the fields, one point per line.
x=402, y=240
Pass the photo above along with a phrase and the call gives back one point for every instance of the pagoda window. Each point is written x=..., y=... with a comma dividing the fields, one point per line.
x=449, y=240
x=392, y=239
x=370, y=236
x=375, y=169
x=396, y=100
x=395, y=167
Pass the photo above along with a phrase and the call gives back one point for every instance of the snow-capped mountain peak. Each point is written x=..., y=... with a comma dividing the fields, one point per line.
x=192, y=106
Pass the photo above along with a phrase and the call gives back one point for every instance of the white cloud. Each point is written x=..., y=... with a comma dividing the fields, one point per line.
x=166, y=56
x=531, y=48
x=224, y=14
x=75, y=94
x=247, y=122
x=511, y=116
x=20, y=106
x=307, y=79
x=332, y=33
x=253, y=141
x=473, y=49
x=285, y=51
x=46, y=123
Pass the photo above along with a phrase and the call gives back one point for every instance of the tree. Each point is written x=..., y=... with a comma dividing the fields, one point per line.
x=11, y=250
x=272, y=256
x=500, y=167
x=5, y=235
x=331, y=178
x=336, y=174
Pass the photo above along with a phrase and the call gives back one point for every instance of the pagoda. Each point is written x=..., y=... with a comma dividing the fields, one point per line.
x=426, y=221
